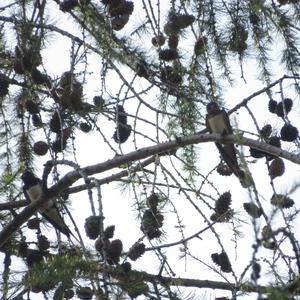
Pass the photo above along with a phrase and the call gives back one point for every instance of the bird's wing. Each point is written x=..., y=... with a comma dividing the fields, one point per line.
x=26, y=195
x=207, y=123
x=227, y=123
x=228, y=154
x=218, y=122
x=52, y=215
x=33, y=190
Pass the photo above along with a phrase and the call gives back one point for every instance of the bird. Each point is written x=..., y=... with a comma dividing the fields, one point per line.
x=217, y=121
x=33, y=190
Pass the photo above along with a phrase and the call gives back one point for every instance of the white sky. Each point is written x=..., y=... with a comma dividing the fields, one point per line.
x=118, y=209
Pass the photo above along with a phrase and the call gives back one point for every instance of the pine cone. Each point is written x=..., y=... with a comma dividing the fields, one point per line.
x=158, y=40
x=22, y=248
x=114, y=251
x=141, y=70
x=136, y=251
x=287, y=103
x=126, y=266
x=223, y=203
x=34, y=257
x=122, y=133
x=266, y=131
x=222, y=218
x=282, y=201
x=153, y=201
x=40, y=148
x=271, y=245
x=181, y=21
x=151, y=222
x=36, y=120
x=173, y=41
x=33, y=223
x=256, y=268
x=275, y=141
x=266, y=232
x=224, y=170
x=38, y=77
x=222, y=260
x=55, y=125
x=257, y=153
x=85, y=127
x=99, y=102
x=118, y=22
x=32, y=107
x=4, y=84
x=92, y=227
x=168, y=54
x=109, y=231
x=272, y=106
x=151, y=218
x=43, y=243
x=84, y=293
x=170, y=76
x=200, y=45
x=121, y=8
x=252, y=209
x=68, y=5
x=69, y=294
x=101, y=244
x=289, y=133
x=277, y=168
x=121, y=115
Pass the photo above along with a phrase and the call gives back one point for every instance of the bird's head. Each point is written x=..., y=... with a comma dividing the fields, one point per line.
x=28, y=177
x=212, y=107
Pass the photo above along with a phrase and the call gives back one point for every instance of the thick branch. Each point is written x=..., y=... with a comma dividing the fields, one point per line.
x=197, y=283
x=13, y=204
x=210, y=284
x=113, y=177
x=26, y=213
x=142, y=153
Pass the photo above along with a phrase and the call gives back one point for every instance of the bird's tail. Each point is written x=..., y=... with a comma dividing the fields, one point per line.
x=52, y=215
x=229, y=156
x=245, y=180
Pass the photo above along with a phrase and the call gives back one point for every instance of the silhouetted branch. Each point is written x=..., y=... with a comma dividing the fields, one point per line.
x=71, y=177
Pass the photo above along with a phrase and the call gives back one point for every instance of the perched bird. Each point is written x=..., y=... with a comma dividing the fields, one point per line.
x=33, y=189
x=217, y=121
